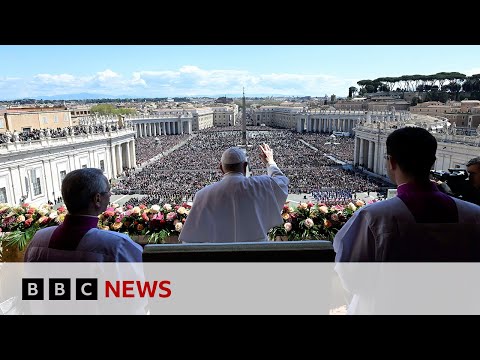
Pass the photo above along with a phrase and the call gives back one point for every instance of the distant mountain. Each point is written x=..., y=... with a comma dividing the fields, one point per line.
x=79, y=96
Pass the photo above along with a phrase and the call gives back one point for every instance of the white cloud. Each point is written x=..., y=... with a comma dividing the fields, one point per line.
x=106, y=76
x=188, y=80
x=55, y=79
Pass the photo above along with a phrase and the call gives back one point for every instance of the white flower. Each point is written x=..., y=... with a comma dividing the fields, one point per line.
x=42, y=211
x=115, y=205
x=167, y=207
x=308, y=222
x=287, y=226
x=155, y=208
x=181, y=210
x=178, y=226
x=351, y=206
x=53, y=214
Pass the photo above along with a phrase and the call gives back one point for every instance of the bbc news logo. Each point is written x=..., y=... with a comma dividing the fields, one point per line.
x=59, y=289
x=87, y=289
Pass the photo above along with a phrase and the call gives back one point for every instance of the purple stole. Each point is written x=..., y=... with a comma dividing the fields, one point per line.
x=427, y=203
x=68, y=235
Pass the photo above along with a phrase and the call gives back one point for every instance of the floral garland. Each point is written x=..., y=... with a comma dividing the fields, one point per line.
x=156, y=222
x=18, y=224
x=309, y=221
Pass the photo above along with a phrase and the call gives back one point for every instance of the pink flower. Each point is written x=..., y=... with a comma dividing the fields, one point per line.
x=171, y=216
x=129, y=207
x=158, y=216
x=287, y=226
x=310, y=204
x=308, y=223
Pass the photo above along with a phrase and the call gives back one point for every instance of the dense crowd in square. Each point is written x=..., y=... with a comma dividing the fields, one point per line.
x=178, y=175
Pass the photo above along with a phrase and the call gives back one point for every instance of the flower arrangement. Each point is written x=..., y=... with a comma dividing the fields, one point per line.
x=18, y=224
x=157, y=223
x=309, y=221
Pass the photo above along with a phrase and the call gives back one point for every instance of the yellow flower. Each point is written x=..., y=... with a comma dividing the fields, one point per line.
x=136, y=210
x=313, y=212
x=303, y=205
x=323, y=209
x=60, y=218
x=115, y=226
x=359, y=203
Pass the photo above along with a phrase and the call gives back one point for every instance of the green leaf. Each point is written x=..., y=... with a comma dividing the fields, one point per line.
x=16, y=239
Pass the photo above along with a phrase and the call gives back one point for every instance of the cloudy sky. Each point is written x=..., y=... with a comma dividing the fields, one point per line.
x=214, y=70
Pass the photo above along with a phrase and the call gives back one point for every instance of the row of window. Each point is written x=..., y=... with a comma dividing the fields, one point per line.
x=36, y=182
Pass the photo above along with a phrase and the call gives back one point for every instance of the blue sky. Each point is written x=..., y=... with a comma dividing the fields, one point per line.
x=181, y=70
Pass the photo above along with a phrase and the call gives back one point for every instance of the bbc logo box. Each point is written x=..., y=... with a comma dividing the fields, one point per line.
x=60, y=289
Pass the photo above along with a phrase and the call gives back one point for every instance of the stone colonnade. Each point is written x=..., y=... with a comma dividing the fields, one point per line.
x=122, y=156
x=154, y=127
x=369, y=154
x=329, y=121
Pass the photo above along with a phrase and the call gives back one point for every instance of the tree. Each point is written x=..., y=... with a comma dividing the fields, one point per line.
x=109, y=109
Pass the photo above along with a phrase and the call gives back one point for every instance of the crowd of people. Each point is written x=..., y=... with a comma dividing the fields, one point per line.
x=148, y=147
x=38, y=134
x=179, y=174
x=340, y=147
